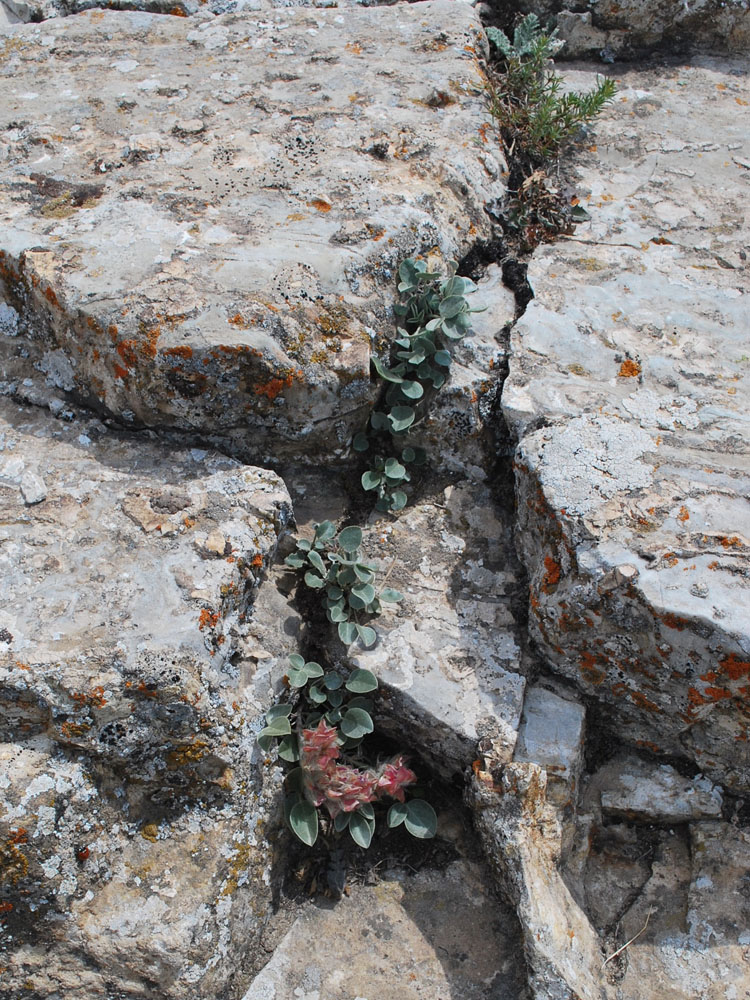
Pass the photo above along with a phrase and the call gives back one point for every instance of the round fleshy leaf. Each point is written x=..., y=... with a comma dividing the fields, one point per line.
x=367, y=635
x=367, y=811
x=295, y=561
x=316, y=562
x=420, y=819
x=290, y=801
x=289, y=749
x=341, y=821
x=378, y=420
x=356, y=602
x=297, y=678
x=280, y=726
x=314, y=581
x=303, y=819
x=408, y=454
x=333, y=717
x=324, y=531
x=265, y=742
x=361, y=442
x=356, y=723
x=362, y=681
x=294, y=781
x=296, y=661
x=396, y=814
x=398, y=500
x=313, y=669
x=333, y=680
x=361, y=829
x=365, y=592
x=337, y=614
x=359, y=702
x=371, y=480
x=277, y=711
x=335, y=698
x=350, y=539
x=401, y=418
x=442, y=358
x=412, y=389
x=347, y=632
x=303, y=545
x=317, y=697
x=394, y=469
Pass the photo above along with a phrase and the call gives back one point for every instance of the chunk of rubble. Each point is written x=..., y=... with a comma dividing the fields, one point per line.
x=690, y=922
x=606, y=29
x=628, y=394
x=655, y=793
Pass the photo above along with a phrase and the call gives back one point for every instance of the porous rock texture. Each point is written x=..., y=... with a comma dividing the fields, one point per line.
x=628, y=395
x=137, y=218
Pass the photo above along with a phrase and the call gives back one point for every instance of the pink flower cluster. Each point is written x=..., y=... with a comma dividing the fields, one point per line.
x=340, y=788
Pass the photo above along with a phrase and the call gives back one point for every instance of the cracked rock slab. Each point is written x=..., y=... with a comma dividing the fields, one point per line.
x=628, y=393
x=408, y=937
x=449, y=656
x=125, y=590
x=204, y=216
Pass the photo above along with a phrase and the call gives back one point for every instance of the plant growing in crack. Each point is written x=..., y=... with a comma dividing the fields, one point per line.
x=434, y=314
x=537, y=121
x=334, y=565
x=321, y=730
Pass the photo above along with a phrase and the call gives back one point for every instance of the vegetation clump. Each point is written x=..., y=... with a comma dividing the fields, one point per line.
x=537, y=120
x=434, y=314
x=321, y=730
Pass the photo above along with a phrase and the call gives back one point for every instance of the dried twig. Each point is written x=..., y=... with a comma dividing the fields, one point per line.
x=628, y=943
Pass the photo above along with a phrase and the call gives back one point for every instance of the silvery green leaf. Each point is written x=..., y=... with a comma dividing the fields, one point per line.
x=314, y=581
x=313, y=669
x=296, y=661
x=371, y=480
x=316, y=562
x=324, y=531
x=385, y=373
x=396, y=814
x=362, y=681
x=276, y=711
x=420, y=819
x=367, y=635
x=391, y=596
x=289, y=749
x=350, y=539
x=347, y=632
x=303, y=819
x=360, y=442
x=361, y=829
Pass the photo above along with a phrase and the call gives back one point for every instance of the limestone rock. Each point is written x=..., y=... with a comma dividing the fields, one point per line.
x=119, y=632
x=448, y=656
x=696, y=942
x=552, y=734
x=628, y=393
x=521, y=835
x=406, y=938
x=656, y=794
x=138, y=247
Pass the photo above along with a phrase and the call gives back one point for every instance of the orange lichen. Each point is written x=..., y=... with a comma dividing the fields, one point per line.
x=51, y=297
x=552, y=575
x=207, y=619
x=121, y=372
x=257, y=561
x=734, y=668
x=127, y=351
x=183, y=351
x=237, y=320
x=629, y=369
x=642, y=701
x=731, y=543
x=320, y=205
x=684, y=514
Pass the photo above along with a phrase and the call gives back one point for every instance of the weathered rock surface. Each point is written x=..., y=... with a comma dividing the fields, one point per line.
x=129, y=775
x=124, y=591
x=450, y=654
x=635, y=790
x=628, y=393
x=696, y=942
x=409, y=937
x=609, y=28
x=137, y=219
x=521, y=833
